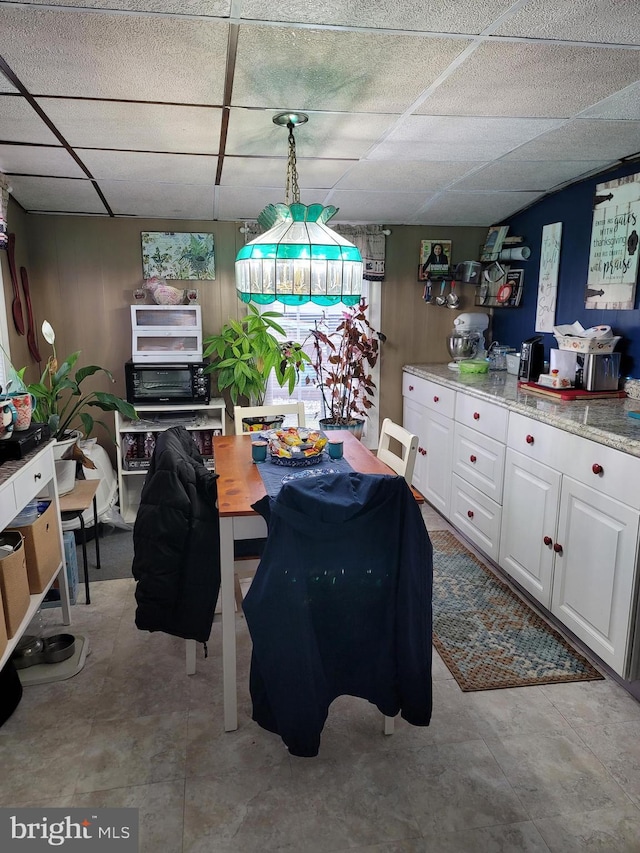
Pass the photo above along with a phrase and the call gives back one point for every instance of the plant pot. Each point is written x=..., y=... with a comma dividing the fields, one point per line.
x=355, y=426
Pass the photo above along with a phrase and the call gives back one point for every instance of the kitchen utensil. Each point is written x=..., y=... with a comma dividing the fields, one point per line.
x=441, y=299
x=462, y=345
x=474, y=365
x=468, y=272
x=32, y=340
x=16, y=306
x=453, y=299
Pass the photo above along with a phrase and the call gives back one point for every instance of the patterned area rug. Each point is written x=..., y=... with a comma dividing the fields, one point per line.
x=486, y=635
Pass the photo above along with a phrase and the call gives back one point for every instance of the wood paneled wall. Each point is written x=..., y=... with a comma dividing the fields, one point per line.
x=83, y=271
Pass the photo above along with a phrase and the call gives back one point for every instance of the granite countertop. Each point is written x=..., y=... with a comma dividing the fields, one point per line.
x=604, y=421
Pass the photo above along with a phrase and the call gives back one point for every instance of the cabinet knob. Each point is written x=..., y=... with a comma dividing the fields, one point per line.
x=410, y=387
x=557, y=547
x=476, y=416
x=472, y=458
x=597, y=469
x=547, y=540
x=435, y=399
x=530, y=439
x=470, y=513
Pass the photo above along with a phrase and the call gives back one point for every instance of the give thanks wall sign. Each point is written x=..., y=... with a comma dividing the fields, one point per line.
x=613, y=259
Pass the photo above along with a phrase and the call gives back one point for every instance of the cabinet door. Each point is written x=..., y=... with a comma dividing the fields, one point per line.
x=437, y=473
x=529, y=516
x=414, y=419
x=595, y=571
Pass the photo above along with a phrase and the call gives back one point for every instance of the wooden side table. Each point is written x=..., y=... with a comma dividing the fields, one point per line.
x=73, y=505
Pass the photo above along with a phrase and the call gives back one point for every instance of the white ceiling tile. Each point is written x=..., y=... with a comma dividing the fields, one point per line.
x=623, y=105
x=159, y=201
x=606, y=21
x=217, y=8
x=336, y=70
x=444, y=17
x=139, y=166
x=265, y=172
x=327, y=135
x=458, y=138
x=140, y=127
x=583, y=139
x=234, y=205
x=148, y=58
x=5, y=85
x=518, y=79
x=416, y=176
x=377, y=207
x=474, y=208
x=524, y=175
x=39, y=160
x=19, y=122
x=56, y=195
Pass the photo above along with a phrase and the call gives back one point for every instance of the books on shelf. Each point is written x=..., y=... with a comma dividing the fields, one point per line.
x=494, y=242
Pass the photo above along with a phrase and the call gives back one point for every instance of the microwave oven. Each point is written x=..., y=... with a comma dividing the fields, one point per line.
x=179, y=383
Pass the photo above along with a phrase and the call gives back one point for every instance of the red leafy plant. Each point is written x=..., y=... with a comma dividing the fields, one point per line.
x=343, y=360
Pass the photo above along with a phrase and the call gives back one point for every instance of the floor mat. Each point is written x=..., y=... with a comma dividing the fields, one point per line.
x=486, y=635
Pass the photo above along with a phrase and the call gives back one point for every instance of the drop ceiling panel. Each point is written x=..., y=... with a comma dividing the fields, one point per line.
x=264, y=172
x=241, y=203
x=159, y=201
x=523, y=175
x=474, y=208
x=139, y=127
x=445, y=17
x=63, y=195
x=19, y=122
x=584, y=140
x=115, y=56
x=219, y=8
x=517, y=79
x=458, y=138
x=623, y=105
x=604, y=21
x=332, y=70
x=416, y=176
x=330, y=135
x=163, y=168
x=38, y=160
x=377, y=207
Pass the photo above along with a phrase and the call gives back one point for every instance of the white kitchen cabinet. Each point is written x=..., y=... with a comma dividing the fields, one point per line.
x=476, y=515
x=136, y=441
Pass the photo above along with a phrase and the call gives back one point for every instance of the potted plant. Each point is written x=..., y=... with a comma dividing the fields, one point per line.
x=343, y=360
x=246, y=352
x=60, y=401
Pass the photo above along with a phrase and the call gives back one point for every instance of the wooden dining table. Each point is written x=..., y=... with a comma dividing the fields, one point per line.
x=239, y=486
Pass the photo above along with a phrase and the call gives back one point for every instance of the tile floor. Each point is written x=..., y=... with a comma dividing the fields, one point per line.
x=531, y=769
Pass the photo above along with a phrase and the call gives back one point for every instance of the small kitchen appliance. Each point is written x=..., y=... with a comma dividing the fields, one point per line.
x=531, y=359
x=467, y=339
x=600, y=371
x=177, y=383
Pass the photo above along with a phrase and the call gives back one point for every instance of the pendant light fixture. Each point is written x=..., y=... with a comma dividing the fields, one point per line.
x=299, y=258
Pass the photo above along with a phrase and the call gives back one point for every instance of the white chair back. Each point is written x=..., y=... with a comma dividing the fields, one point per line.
x=240, y=412
x=403, y=465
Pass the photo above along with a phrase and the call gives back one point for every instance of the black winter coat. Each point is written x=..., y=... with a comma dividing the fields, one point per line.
x=176, y=540
x=340, y=604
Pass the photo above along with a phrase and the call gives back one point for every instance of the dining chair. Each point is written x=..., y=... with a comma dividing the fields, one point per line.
x=240, y=412
x=404, y=463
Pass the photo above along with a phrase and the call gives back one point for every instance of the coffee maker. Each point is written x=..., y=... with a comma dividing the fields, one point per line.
x=531, y=359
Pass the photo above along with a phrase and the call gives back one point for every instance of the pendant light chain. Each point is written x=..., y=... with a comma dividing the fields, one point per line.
x=292, y=190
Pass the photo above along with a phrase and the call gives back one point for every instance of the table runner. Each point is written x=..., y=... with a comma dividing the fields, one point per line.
x=273, y=475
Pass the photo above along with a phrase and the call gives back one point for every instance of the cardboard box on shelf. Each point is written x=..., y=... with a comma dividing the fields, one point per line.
x=14, y=584
x=42, y=549
x=3, y=628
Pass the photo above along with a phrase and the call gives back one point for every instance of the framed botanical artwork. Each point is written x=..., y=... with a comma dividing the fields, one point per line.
x=435, y=258
x=184, y=256
x=613, y=257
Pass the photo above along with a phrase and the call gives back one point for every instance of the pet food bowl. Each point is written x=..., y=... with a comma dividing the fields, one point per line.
x=34, y=650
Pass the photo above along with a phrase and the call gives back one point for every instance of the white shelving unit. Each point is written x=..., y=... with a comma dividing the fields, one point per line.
x=136, y=439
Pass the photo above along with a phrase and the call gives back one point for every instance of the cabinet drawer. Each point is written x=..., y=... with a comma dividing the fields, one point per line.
x=33, y=478
x=538, y=441
x=604, y=469
x=477, y=516
x=8, y=505
x=435, y=397
x=484, y=417
x=479, y=460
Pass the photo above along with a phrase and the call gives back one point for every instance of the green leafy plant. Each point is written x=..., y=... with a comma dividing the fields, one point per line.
x=60, y=402
x=246, y=352
x=342, y=361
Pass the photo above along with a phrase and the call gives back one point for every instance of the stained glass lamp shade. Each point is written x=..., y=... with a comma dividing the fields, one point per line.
x=299, y=258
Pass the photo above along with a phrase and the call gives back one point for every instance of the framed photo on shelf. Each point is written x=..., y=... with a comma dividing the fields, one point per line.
x=182, y=256
x=435, y=259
